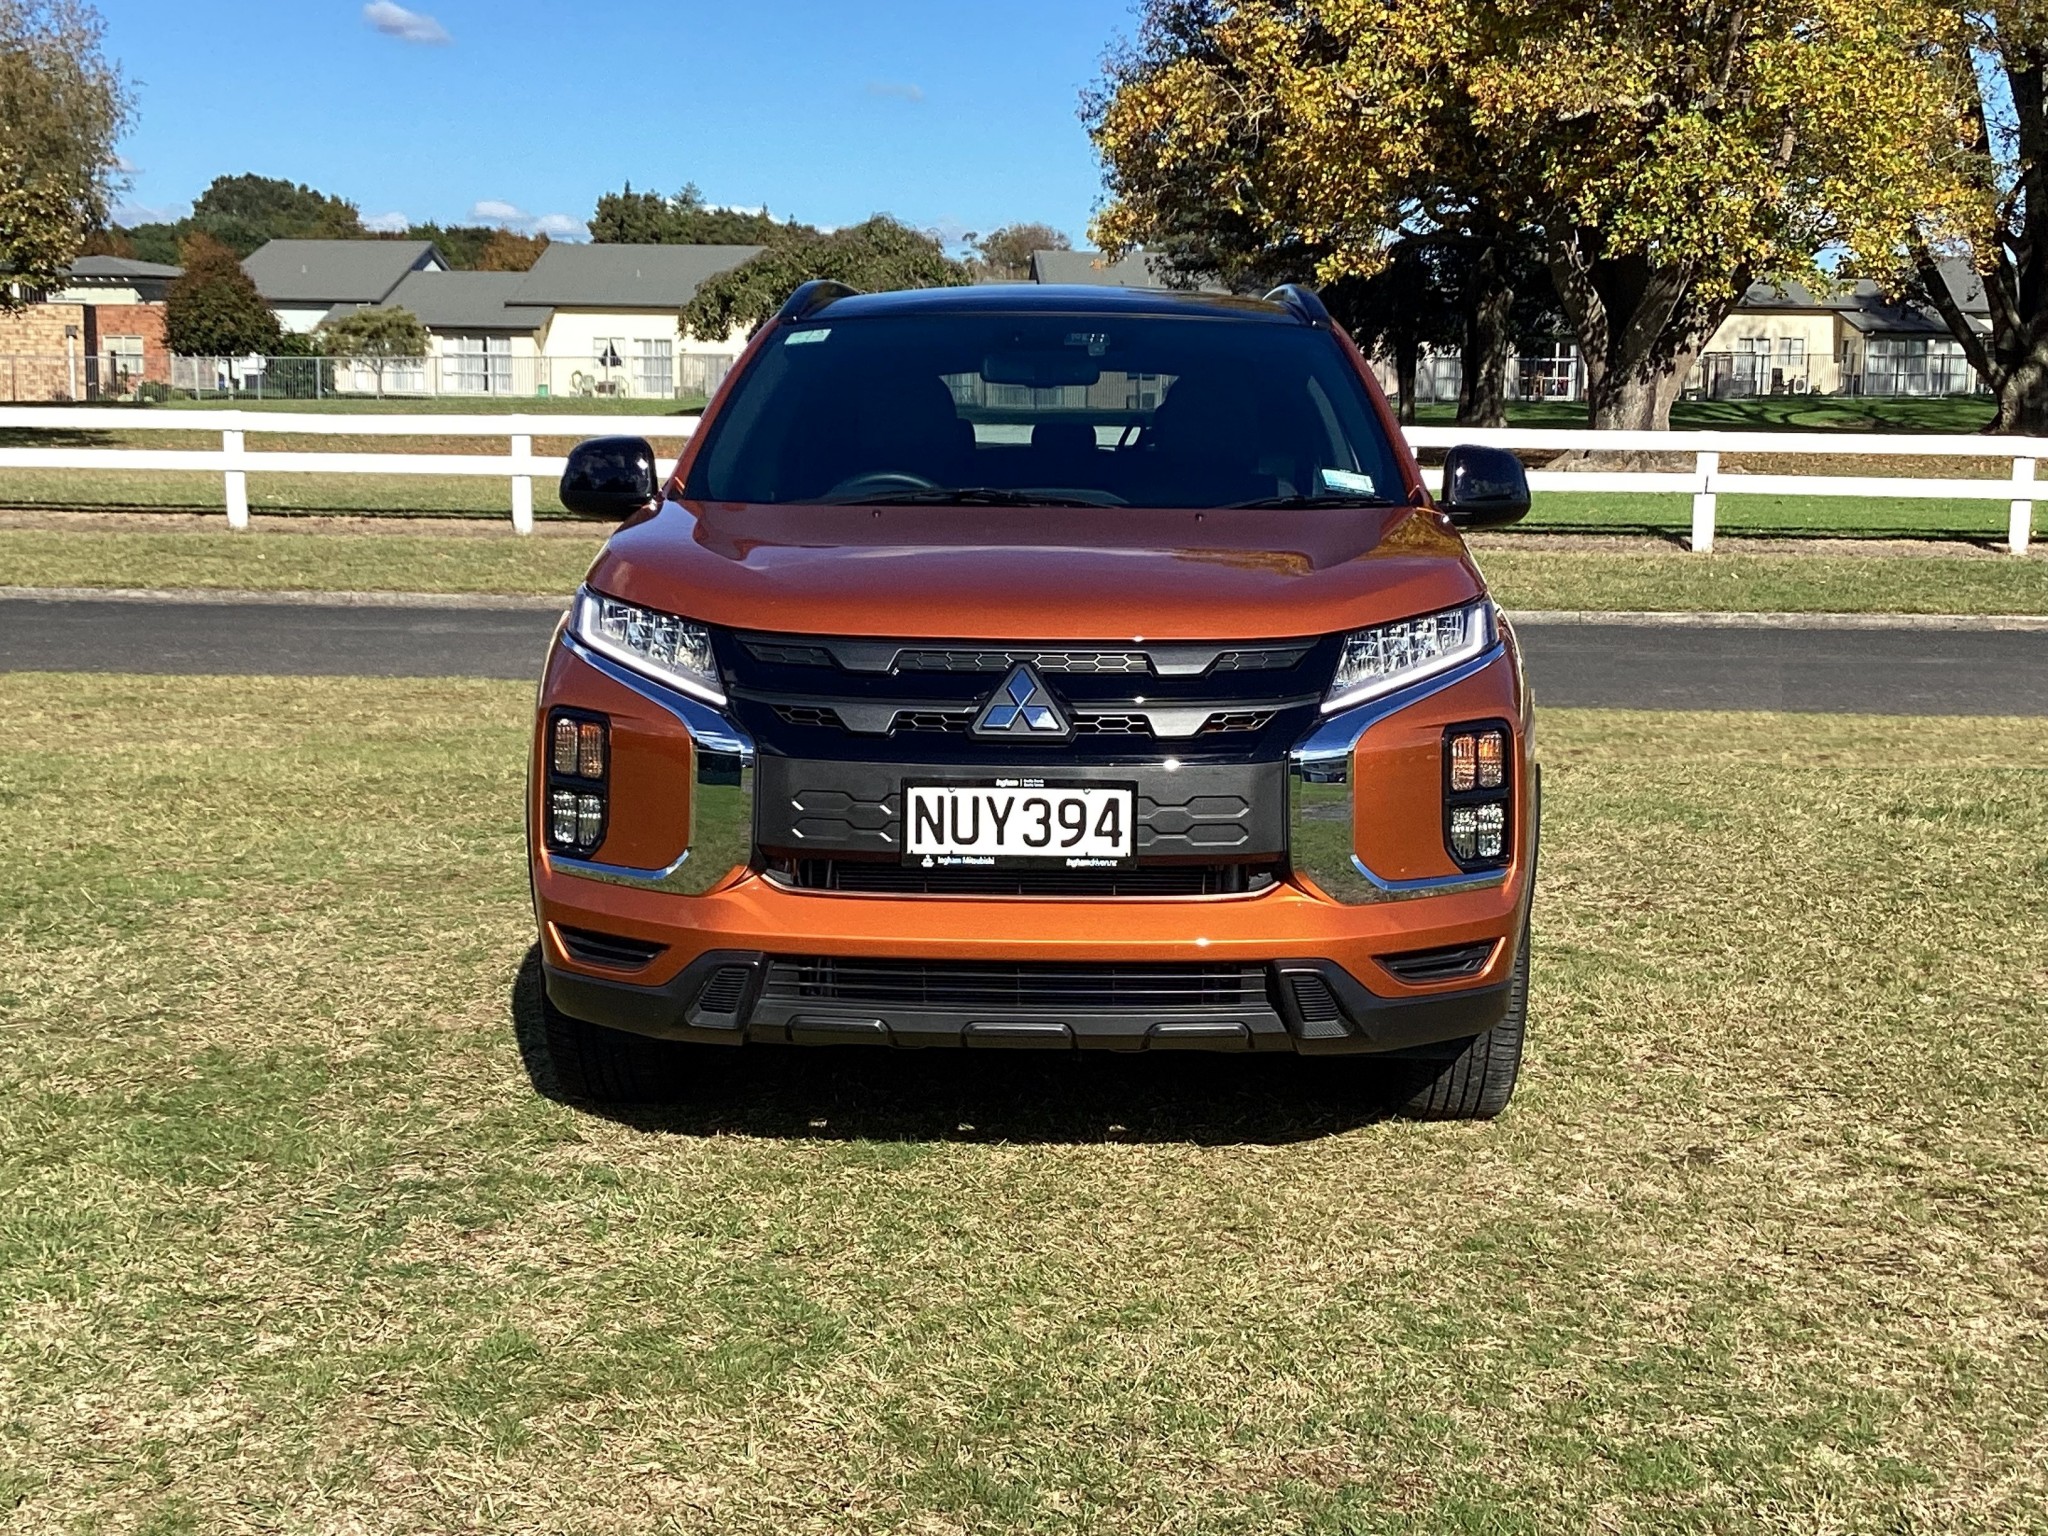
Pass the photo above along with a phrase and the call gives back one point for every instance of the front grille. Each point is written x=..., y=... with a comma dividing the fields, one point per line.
x=607, y=949
x=1004, y=988
x=1002, y=661
x=1454, y=963
x=873, y=877
x=1112, y=725
x=836, y=697
x=959, y=722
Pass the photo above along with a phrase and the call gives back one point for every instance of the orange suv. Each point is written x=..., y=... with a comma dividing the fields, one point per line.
x=1038, y=667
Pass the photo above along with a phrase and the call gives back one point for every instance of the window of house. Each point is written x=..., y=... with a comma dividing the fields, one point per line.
x=656, y=369
x=477, y=365
x=124, y=356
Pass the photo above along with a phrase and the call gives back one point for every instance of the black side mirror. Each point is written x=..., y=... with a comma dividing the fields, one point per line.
x=1484, y=487
x=610, y=477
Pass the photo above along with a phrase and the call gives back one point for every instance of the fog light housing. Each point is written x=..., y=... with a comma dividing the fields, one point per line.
x=1478, y=790
x=578, y=758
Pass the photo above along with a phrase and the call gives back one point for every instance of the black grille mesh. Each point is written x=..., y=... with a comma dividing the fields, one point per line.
x=1012, y=988
x=878, y=878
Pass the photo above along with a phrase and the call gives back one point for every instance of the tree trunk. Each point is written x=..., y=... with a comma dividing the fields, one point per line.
x=1640, y=329
x=2013, y=359
x=1407, y=358
x=1488, y=341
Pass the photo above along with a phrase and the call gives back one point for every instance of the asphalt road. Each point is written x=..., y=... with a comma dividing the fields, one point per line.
x=1948, y=671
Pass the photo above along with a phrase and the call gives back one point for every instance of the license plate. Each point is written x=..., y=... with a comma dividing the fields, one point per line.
x=998, y=823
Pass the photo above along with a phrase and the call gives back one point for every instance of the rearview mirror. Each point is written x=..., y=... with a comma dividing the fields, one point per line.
x=1484, y=487
x=1040, y=370
x=610, y=477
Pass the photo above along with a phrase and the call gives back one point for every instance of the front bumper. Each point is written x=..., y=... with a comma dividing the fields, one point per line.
x=676, y=878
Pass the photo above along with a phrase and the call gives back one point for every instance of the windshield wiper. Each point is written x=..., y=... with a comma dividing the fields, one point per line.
x=969, y=496
x=1327, y=499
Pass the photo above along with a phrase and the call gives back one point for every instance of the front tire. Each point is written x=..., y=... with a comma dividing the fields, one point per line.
x=609, y=1066
x=1477, y=1083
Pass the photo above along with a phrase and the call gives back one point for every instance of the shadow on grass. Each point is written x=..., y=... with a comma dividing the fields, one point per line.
x=847, y=1093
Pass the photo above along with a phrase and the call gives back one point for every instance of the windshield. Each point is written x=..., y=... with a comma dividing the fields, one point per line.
x=1001, y=409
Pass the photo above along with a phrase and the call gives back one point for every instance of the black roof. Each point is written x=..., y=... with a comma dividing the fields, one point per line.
x=1058, y=299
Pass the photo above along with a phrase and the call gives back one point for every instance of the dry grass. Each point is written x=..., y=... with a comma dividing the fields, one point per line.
x=292, y=1244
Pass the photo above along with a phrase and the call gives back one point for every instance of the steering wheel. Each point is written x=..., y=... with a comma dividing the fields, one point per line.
x=876, y=484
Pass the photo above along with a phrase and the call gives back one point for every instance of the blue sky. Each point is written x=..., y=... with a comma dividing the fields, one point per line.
x=951, y=114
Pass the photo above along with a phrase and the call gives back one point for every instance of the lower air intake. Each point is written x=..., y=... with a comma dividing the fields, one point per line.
x=1004, y=987
x=611, y=950
x=1455, y=963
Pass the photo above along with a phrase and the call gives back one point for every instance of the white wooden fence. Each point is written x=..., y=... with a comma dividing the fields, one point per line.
x=1705, y=482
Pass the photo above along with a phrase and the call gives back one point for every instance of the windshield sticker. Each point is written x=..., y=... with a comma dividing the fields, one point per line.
x=804, y=338
x=1096, y=343
x=1347, y=482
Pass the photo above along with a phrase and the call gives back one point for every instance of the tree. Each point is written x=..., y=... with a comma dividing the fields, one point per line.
x=246, y=212
x=1004, y=255
x=376, y=337
x=213, y=309
x=62, y=107
x=649, y=218
x=1662, y=152
x=2007, y=246
x=507, y=252
x=1203, y=124
x=879, y=254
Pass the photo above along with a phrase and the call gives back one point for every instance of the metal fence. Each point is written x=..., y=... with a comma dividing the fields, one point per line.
x=457, y=373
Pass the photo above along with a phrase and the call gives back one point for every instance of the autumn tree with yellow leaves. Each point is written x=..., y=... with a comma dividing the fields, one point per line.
x=1661, y=154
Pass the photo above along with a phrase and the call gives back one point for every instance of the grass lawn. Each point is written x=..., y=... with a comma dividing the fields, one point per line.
x=1780, y=413
x=269, y=559
x=466, y=405
x=291, y=1241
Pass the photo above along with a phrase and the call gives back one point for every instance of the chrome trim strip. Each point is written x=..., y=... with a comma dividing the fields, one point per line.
x=1319, y=793
x=721, y=800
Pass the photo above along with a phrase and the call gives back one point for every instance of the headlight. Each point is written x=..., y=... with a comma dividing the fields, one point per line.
x=659, y=644
x=1390, y=656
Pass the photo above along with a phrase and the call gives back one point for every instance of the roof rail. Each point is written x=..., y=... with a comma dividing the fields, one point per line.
x=1302, y=301
x=811, y=297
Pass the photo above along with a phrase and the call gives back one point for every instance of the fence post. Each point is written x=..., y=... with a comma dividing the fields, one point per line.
x=2021, y=526
x=1706, y=466
x=231, y=443
x=522, y=484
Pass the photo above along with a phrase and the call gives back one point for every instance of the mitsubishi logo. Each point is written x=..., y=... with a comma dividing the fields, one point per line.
x=1022, y=707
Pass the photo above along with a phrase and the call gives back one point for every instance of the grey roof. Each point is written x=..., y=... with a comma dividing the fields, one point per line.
x=335, y=271
x=1136, y=270
x=465, y=301
x=123, y=267
x=571, y=276
x=1865, y=306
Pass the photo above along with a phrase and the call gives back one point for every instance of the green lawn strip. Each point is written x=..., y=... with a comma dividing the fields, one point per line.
x=1759, y=583
x=272, y=559
x=1778, y=413
x=1773, y=516
x=291, y=1242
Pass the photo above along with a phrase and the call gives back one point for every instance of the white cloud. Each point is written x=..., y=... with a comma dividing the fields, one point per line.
x=901, y=90
x=407, y=26
x=128, y=215
x=556, y=226
x=387, y=223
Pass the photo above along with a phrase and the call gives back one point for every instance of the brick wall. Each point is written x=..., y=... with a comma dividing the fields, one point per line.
x=144, y=320
x=32, y=352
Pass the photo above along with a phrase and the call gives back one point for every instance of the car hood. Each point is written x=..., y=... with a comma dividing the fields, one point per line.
x=1042, y=573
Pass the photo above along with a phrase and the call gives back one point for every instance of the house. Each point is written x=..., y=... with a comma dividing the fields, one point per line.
x=484, y=341
x=1093, y=269
x=1787, y=339
x=95, y=337
x=305, y=281
x=614, y=311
